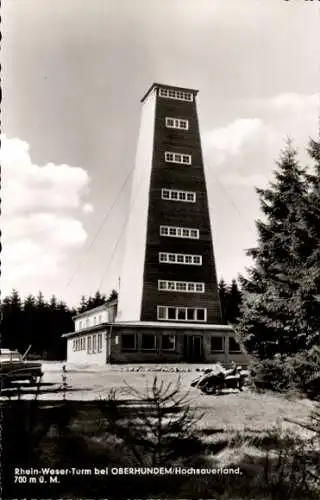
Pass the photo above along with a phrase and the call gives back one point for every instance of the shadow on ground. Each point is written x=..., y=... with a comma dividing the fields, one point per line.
x=79, y=436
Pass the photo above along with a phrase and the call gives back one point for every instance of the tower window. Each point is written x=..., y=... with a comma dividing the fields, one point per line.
x=177, y=123
x=180, y=258
x=176, y=94
x=174, y=195
x=179, y=232
x=180, y=286
x=181, y=313
x=177, y=158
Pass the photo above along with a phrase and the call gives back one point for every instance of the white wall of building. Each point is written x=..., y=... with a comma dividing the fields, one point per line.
x=88, y=348
x=91, y=319
x=131, y=283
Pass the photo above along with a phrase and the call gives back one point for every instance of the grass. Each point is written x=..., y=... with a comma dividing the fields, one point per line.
x=237, y=429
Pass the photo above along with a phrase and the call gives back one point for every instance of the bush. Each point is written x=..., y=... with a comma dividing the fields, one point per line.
x=283, y=373
x=272, y=374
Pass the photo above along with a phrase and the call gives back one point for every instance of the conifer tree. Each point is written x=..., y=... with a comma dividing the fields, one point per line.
x=233, y=302
x=275, y=304
x=311, y=279
x=223, y=296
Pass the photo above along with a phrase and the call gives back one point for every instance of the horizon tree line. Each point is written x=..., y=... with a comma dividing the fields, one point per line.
x=40, y=323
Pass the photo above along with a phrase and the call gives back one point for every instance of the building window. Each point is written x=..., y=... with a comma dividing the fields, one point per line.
x=217, y=344
x=99, y=342
x=89, y=345
x=148, y=342
x=234, y=347
x=99, y=318
x=180, y=258
x=176, y=94
x=87, y=322
x=177, y=123
x=74, y=345
x=128, y=342
x=174, y=195
x=200, y=314
x=162, y=312
x=179, y=232
x=181, y=313
x=80, y=324
x=180, y=158
x=191, y=314
x=94, y=320
x=180, y=286
x=94, y=343
x=168, y=342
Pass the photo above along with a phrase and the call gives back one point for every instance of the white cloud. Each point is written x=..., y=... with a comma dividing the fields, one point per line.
x=87, y=208
x=223, y=142
x=255, y=180
x=291, y=101
x=41, y=207
x=245, y=150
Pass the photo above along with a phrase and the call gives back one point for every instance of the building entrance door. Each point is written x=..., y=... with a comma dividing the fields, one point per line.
x=193, y=348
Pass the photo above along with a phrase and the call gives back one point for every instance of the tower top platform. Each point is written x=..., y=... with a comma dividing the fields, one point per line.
x=169, y=87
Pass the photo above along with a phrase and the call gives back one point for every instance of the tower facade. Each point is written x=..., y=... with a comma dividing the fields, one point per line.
x=169, y=272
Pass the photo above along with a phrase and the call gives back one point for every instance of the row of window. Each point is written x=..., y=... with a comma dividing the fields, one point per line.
x=181, y=313
x=91, y=343
x=177, y=123
x=85, y=323
x=180, y=286
x=180, y=258
x=150, y=342
x=170, y=157
x=180, y=232
x=176, y=94
x=175, y=195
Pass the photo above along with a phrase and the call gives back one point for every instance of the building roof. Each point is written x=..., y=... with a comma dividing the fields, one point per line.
x=171, y=324
x=151, y=324
x=89, y=329
x=96, y=309
x=155, y=85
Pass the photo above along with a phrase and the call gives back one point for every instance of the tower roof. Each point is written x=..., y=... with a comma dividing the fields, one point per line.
x=170, y=87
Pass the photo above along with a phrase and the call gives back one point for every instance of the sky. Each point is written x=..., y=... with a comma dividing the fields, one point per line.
x=73, y=74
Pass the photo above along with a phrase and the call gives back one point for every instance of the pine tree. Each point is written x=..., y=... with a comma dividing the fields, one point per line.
x=83, y=304
x=311, y=279
x=274, y=312
x=233, y=302
x=223, y=295
x=12, y=327
x=113, y=295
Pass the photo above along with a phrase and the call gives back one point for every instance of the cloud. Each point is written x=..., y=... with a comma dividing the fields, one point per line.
x=255, y=180
x=41, y=206
x=231, y=139
x=87, y=208
x=243, y=152
x=291, y=101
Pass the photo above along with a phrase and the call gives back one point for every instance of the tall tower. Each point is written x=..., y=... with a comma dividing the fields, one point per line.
x=169, y=272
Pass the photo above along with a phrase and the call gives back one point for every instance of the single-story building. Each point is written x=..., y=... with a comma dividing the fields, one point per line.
x=99, y=339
